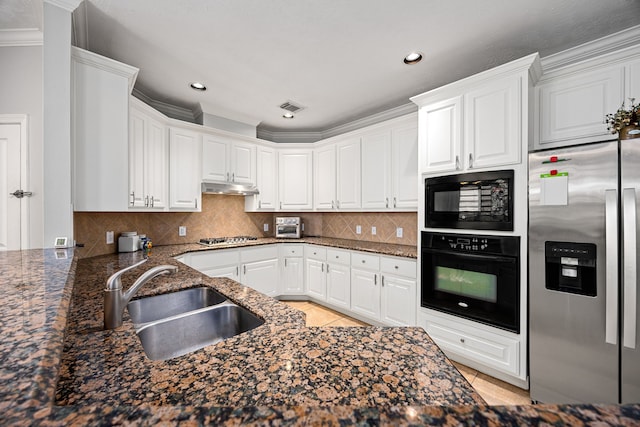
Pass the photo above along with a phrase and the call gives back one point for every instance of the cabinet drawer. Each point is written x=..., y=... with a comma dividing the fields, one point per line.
x=398, y=266
x=292, y=251
x=338, y=257
x=315, y=252
x=368, y=262
x=214, y=258
x=493, y=350
x=259, y=253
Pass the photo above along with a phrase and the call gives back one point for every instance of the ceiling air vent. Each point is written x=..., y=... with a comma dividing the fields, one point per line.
x=290, y=106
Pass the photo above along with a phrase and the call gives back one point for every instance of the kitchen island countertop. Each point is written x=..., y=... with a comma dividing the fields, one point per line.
x=280, y=372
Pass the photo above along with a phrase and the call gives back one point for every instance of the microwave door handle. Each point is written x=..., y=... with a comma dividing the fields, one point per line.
x=471, y=256
x=611, y=272
x=629, y=271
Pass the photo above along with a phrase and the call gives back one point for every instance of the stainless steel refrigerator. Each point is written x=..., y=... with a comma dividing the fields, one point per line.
x=583, y=254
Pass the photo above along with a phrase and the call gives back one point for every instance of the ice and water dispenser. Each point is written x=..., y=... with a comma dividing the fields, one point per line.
x=571, y=267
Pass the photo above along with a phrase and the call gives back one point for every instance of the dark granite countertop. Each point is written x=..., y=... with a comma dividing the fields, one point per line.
x=280, y=373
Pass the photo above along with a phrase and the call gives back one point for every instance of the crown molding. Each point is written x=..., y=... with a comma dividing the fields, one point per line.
x=168, y=110
x=79, y=27
x=21, y=37
x=111, y=65
x=596, y=48
x=68, y=5
x=289, y=137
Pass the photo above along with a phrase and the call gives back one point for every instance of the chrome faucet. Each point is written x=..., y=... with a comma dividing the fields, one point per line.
x=115, y=300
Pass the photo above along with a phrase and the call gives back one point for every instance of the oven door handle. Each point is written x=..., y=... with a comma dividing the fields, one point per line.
x=471, y=256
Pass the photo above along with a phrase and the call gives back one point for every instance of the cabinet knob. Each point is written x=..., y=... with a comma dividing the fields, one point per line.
x=462, y=340
x=364, y=262
x=396, y=267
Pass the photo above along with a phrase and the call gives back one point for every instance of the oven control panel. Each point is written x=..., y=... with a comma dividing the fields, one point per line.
x=501, y=245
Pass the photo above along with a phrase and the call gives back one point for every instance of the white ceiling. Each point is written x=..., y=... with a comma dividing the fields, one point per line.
x=340, y=59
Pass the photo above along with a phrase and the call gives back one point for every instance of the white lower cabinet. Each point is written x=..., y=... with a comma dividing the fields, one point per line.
x=292, y=273
x=218, y=263
x=467, y=341
x=259, y=269
x=315, y=277
x=339, y=278
x=399, y=291
x=365, y=285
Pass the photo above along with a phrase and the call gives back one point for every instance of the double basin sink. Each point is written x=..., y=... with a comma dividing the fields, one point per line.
x=177, y=323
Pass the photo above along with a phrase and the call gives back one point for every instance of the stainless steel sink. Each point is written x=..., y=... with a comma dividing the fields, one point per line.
x=182, y=334
x=150, y=309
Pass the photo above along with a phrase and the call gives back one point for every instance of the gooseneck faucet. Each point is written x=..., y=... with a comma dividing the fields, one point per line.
x=115, y=300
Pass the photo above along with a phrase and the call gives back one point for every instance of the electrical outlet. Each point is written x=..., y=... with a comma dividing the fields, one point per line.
x=358, y=229
x=182, y=231
x=303, y=226
x=373, y=231
x=266, y=227
x=109, y=237
x=399, y=232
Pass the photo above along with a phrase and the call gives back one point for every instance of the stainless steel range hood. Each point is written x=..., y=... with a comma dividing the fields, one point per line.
x=231, y=188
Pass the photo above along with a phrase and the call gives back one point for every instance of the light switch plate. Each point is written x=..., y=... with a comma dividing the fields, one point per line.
x=373, y=231
x=266, y=227
x=182, y=231
x=358, y=229
x=109, y=237
x=399, y=232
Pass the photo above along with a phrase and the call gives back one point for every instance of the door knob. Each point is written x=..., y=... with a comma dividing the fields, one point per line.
x=19, y=194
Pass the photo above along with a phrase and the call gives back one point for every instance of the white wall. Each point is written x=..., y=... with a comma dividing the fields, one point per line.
x=21, y=93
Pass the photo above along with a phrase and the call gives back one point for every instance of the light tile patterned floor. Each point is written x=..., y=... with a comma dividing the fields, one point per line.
x=494, y=391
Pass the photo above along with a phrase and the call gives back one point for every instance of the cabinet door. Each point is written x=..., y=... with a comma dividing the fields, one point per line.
x=492, y=116
x=293, y=276
x=243, y=163
x=137, y=138
x=156, y=165
x=365, y=293
x=404, y=167
x=266, y=179
x=215, y=159
x=316, y=279
x=398, y=301
x=229, y=271
x=348, y=174
x=324, y=193
x=184, y=169
x=574, y=106
x=376, y=170
x=441, y=136
x=295, y=179
x=339, y=285
x=261, y=276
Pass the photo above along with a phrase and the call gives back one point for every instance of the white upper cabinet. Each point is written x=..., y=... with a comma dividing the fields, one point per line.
x=148, y=160
x=348, y=174
x=492, y=133
x=295, y=179
x=266, y=181
x=224, y=160
x=324, y=177
x=185, y=152
x=100, y=135
x=478, y=122
x=390, y=167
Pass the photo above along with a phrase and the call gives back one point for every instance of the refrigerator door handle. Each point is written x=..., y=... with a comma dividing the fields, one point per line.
x=629, y=267
x=611, y=284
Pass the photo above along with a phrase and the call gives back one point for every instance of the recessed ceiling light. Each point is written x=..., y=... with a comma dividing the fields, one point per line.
x=288, y=115
x=413, y=58
x=198, y=86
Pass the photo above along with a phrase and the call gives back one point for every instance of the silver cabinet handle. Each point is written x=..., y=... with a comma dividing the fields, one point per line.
x=237, y=271
x=338, y=204
x=629, y=270
x=259, y=204
x=327, y=268
x=152, y=201
x=227, y=176
x=133, y=198
x=394, y=202
x=382, y=280
x=285, y=262
x=146, y=201
x=470, y=160
x=281, y=205
x=611, y=272
x=375, y=279
x=457, y=163
x=196, y=202
x=386, y=202
x=233, y=177
x=322, y=267
x=244, y=269
x=332, y=203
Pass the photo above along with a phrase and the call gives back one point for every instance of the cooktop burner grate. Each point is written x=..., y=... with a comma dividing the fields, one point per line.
x=210, y=241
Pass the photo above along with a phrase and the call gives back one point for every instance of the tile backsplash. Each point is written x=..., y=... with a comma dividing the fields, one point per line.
x=225, y=216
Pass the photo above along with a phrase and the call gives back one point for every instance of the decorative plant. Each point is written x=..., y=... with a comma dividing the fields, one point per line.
x=623, y=117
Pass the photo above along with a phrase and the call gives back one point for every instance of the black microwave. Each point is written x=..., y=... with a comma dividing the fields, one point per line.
x=479, y=201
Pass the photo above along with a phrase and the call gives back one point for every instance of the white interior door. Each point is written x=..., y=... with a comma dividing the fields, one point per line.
x=13, y=203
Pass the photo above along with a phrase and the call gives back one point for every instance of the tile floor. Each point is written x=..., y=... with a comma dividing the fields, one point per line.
x=494, y=391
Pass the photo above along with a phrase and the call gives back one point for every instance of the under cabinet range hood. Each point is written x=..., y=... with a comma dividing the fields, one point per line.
x=231, y=188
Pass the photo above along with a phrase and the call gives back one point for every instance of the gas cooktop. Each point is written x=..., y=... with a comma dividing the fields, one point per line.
x=211, y=241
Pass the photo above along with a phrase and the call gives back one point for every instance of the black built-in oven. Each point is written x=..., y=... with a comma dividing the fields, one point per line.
x=472, y=276
x=478, y=200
